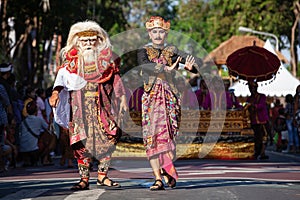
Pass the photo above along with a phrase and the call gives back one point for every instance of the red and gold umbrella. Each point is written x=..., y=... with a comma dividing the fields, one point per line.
x=253, y=63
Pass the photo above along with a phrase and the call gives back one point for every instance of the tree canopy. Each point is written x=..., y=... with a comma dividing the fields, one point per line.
x=42, y=25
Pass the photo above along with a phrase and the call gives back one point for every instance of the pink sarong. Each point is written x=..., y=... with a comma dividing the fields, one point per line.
x=160, y=116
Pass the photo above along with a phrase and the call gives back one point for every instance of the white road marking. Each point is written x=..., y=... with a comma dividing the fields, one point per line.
x=86, y=194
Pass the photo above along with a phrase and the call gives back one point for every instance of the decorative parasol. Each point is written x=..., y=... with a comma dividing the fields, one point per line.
x=253, y=63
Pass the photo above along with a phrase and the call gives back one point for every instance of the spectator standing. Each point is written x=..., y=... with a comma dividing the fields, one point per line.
x=4, y=103
x=232, y=101
x=5, y=109
x=189, y=100
x=5, y=73
x=257, y=107
x=216, y=98
x=292, y=129
x=47, y=141
x=17, y=106
x=294, y=136
x=275, y=110
x=280, y=126
x=40, y=101
x=201, y=93
x=16, y=99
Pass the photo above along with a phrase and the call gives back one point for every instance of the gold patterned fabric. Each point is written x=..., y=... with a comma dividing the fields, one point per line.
x=96, y=142
x=162, y=57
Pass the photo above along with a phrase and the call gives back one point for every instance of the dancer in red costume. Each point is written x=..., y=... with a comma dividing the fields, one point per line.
x=89, y=99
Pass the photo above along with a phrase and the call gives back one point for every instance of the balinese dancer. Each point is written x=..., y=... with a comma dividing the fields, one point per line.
x=88, y=98
x=161, y=100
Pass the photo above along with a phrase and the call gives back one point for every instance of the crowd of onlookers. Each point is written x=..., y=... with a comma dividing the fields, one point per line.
x=30, y=136
x=285, y=118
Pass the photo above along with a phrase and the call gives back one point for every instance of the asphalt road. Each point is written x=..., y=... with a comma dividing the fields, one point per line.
x=276, y=178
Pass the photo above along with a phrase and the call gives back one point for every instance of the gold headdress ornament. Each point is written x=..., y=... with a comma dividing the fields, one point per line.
x=157, y=22
x=87, y=33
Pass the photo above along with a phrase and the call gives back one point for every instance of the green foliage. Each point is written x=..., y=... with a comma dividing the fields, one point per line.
x=213, y=22
x=33, y=23
x=140, y=11
x=202, y=23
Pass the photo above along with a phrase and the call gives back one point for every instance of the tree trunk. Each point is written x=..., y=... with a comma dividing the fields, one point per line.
x=292, y=48
x=4, y=33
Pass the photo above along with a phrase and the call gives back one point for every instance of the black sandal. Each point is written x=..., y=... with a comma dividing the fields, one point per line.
x=170, y=180
x=78, y=186
x=112, y=183
x=157, y=185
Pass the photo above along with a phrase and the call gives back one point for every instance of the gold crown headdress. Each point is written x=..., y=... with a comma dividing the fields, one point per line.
x=157, y=22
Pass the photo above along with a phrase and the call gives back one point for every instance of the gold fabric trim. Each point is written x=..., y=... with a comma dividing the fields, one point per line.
x=89, y=68
x=234, y=150
x=91, y=94
x=168, y=52
x=152, y=53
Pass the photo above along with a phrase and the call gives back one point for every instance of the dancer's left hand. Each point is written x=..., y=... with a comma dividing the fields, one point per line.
x=190, y=60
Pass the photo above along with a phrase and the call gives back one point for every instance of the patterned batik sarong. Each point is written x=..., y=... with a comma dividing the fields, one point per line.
x=160, y=115
x=96, y=144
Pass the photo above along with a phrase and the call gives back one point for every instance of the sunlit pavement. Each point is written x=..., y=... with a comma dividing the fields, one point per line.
x=276, y=178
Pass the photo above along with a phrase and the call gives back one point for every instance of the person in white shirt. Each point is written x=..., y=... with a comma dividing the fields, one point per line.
x=29, y=134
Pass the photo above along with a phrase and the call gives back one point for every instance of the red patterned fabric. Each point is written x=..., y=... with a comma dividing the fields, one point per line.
x=108, y=86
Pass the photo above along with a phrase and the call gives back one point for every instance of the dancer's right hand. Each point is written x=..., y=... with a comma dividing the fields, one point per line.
x=54, y=99
x=170, y=68
x=112, y=139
